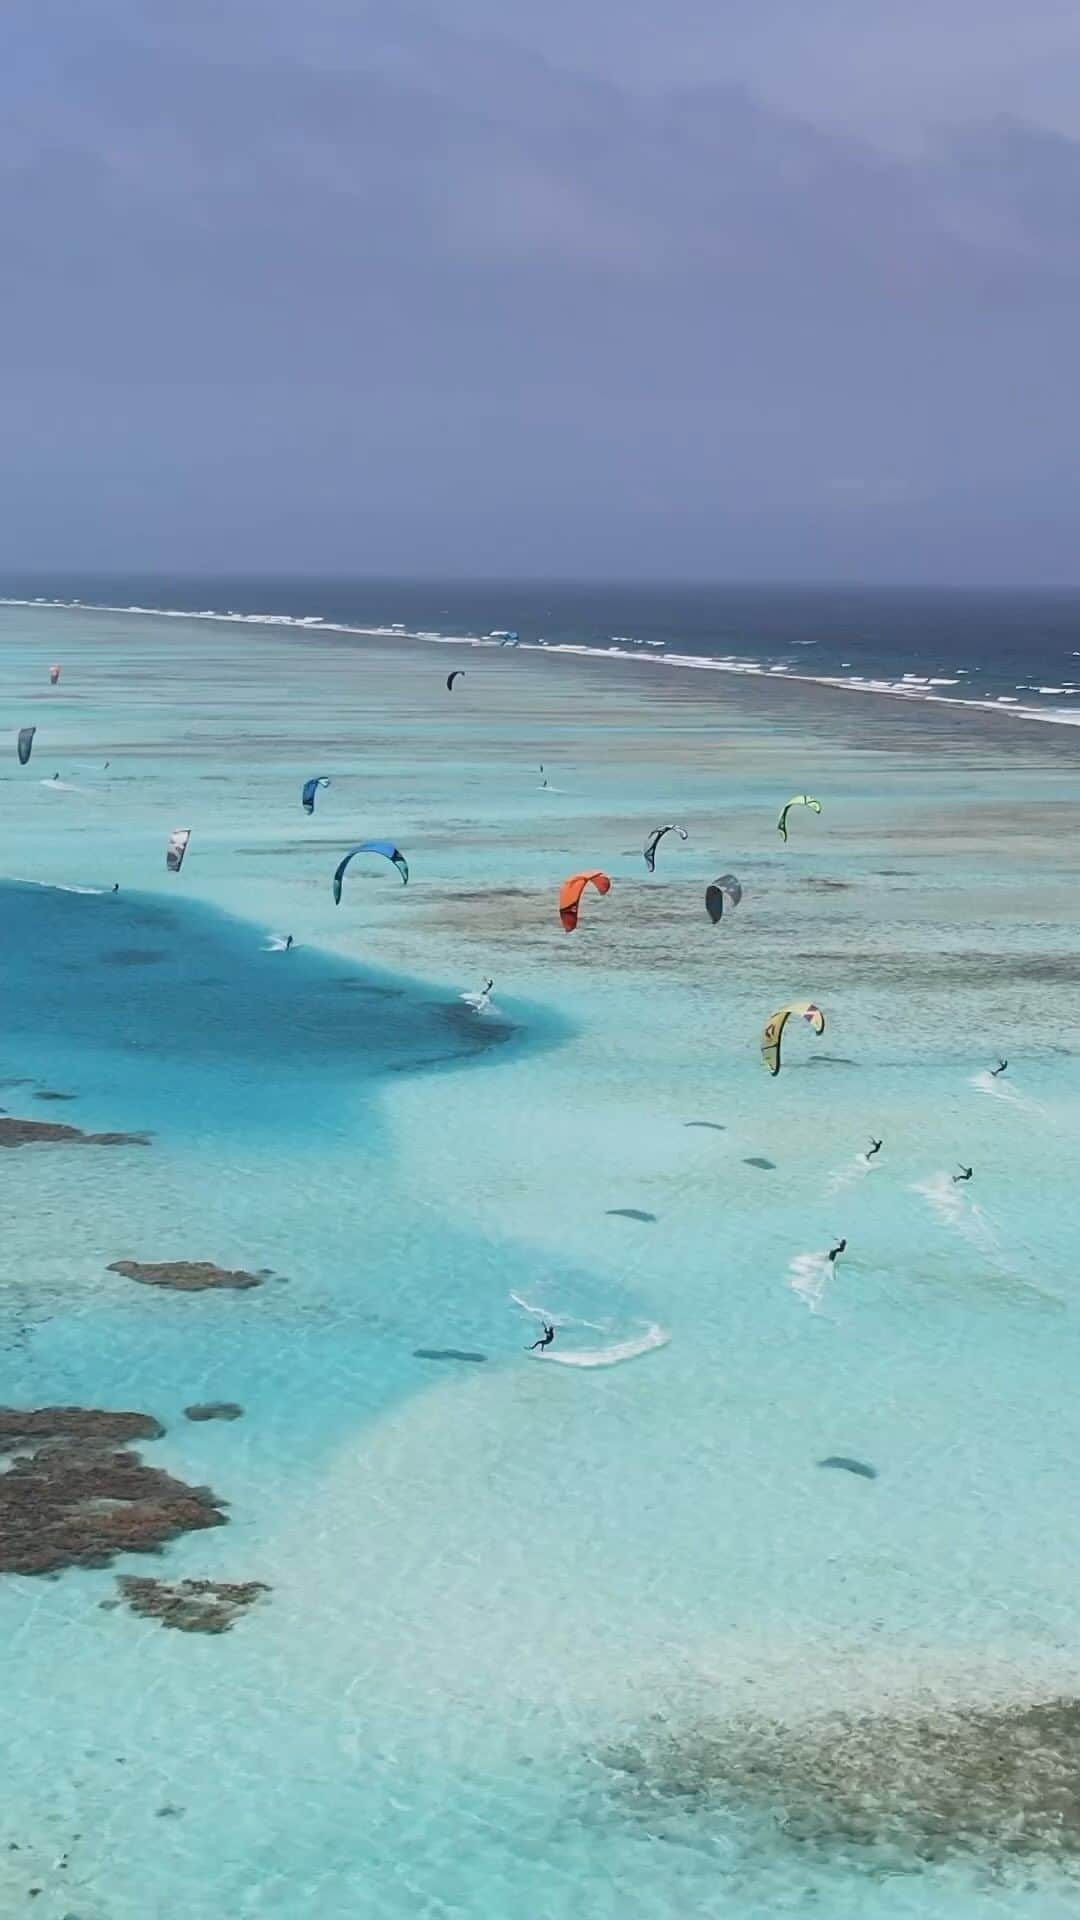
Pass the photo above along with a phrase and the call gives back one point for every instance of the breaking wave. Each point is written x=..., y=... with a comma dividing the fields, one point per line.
x=905, y=686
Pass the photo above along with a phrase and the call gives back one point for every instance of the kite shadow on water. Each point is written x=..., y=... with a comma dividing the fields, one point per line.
x=846, y=1464
x=713, y=1125
x=629, y=1213
x=446, y=1353
x=759, y=1160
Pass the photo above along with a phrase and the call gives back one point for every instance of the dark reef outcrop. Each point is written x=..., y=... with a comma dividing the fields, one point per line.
x=185, y=1276
x=75, y=1495
x=25, y=1133
x=191, y=1606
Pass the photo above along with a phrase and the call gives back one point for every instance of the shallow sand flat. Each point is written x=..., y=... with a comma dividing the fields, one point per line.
x=485, y=1578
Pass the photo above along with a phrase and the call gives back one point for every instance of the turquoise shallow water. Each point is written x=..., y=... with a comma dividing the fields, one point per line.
x=531, y=1624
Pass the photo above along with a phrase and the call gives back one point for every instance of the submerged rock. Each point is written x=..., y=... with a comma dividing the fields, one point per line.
x=23, y=1133
x=214, y=1410
x=191, y=1606
x=184, y=1276
x=50, y=1093
x=73, y=1497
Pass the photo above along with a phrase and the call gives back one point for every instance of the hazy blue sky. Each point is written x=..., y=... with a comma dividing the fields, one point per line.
x=751, y=288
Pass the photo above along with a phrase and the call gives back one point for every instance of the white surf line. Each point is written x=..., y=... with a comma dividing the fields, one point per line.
x=915, y=691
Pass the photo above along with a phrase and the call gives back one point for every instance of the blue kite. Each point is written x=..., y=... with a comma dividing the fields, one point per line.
x=388, y=851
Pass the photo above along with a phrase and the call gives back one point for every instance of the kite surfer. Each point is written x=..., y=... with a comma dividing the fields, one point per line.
x=1000, y=1068
x=545, y=1339
x=840, y=1247
x=874, y=1147
x=965, y=1173
x=543, y=778
x=288, y=941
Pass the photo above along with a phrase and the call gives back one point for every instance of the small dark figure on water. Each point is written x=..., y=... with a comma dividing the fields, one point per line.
x=1000, y=1068
x=875, y=1147
x=965, y=1173
x=116, y=886
x=288, y=941
x=545, y=1339
x=840, y=1247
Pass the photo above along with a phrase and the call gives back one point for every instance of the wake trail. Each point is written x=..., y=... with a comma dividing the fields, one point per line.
x=57, y=886
x=972, y=1222
x=479, y=1002
x=999, y=1089
x=652, y=1337
x=954, y=1209
x=842, y=1177
x=807, y=1276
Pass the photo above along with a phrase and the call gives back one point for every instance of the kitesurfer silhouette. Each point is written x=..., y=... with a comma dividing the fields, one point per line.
x=1000, y=1068
x=874, y=1147
x=840, y=1247
x=965, y=1173
x=545, y=1339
